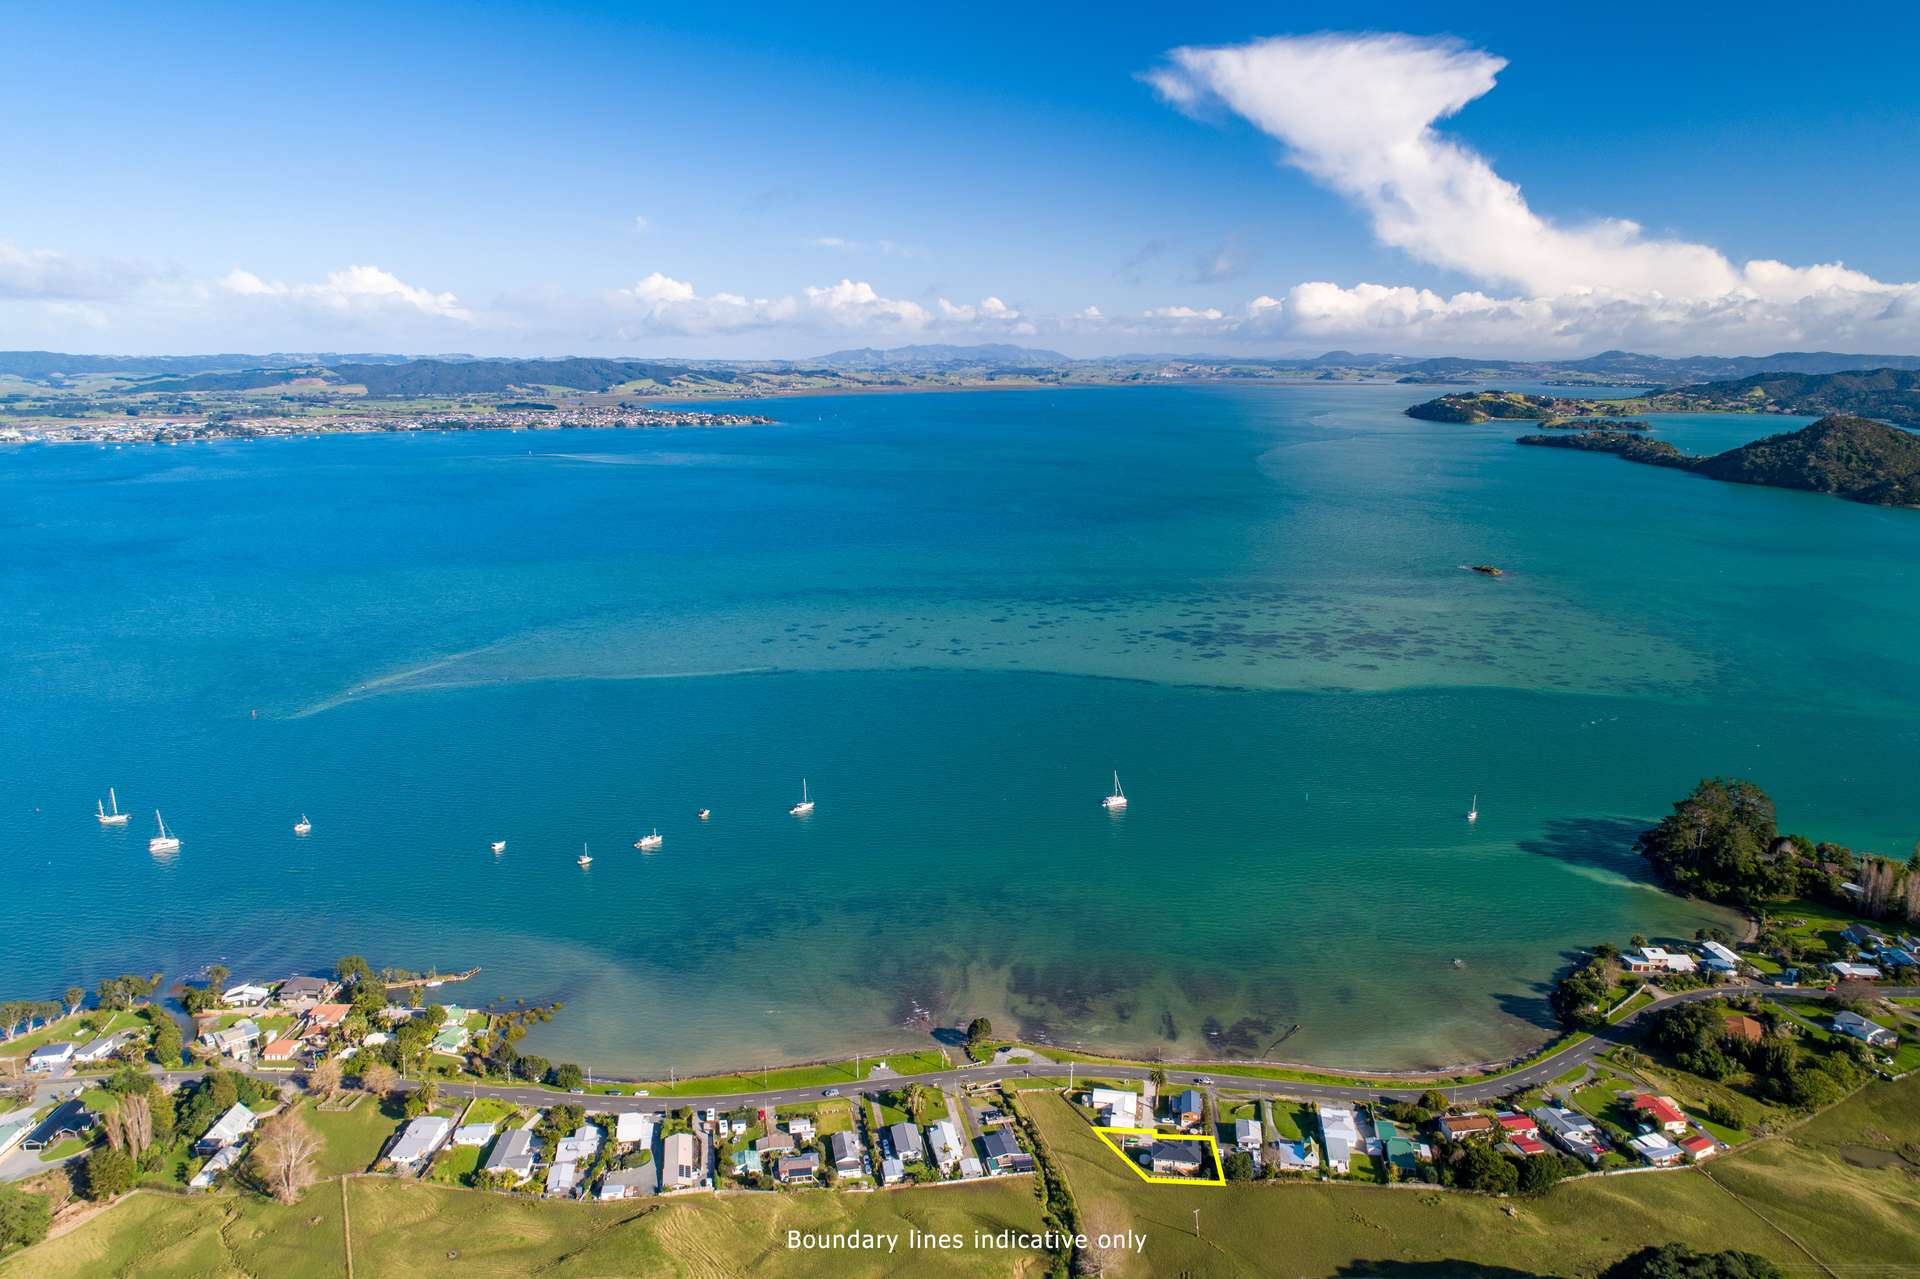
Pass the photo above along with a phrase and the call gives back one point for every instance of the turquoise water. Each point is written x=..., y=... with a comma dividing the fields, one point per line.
x=954, y=614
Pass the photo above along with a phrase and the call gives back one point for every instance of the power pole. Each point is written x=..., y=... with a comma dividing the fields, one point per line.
x=1196, y=1223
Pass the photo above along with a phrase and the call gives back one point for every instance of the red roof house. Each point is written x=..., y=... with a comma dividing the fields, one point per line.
x=1663, y=1111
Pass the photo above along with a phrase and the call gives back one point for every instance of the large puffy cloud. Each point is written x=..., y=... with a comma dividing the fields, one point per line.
x=1358, y=114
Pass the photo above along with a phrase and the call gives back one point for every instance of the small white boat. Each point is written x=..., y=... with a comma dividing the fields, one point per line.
x=647, y=843
x=584, y=859
x=1473, y=810
x=805, y=805
x=499, y=845
x=705, y=813
x=1118, y=799
x=166, y=841
x=303, y=826
x=109, y=814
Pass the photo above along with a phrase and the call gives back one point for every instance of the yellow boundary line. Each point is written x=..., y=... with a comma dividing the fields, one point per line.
x=1218, y=1178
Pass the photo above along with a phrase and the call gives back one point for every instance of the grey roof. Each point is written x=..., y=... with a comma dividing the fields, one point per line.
x=1852, y=1023
x=999, y=1144
x=906, y=1141
x=1562, y=1122
x=513, y=1153
x=629, y=1177
x=1186, y=1153
x=843, y=1146
x=304, y=985
x=1190, y=1100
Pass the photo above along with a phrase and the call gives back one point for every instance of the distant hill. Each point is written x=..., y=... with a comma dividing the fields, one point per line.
x=449, y=377
x=1707, y=368
x=1849, y=457
x=933, y=355
x=1890, y=393
x=39, y=366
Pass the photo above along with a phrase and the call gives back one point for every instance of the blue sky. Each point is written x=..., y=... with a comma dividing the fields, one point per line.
x=548, y=179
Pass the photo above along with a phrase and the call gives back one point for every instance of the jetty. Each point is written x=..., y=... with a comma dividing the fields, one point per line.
x=431, y=979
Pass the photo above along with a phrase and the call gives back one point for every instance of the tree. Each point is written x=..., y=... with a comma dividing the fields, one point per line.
x=561, y=1121
x=74, y=997
x=224, y=1089
x=1434, y=1101
x=1538, y=1173
x=1579, y=999
x=217, y=978
x=167, y=1041
x=1238, y=1166
x=531, y=1067
x=978, y=1029
x=567, y=1075
x=24, y=1218
x=351, y=970
x=421, y=1099
x=379, y=1079
x=1481, y=1167
x=109, y=1173
x=1674, y=1261
x=325, y=1079
x=1718, y=843
x=283, y=1154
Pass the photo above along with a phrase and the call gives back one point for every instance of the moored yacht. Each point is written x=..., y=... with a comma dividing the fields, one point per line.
x=705, y=813
x=1118, y=799
x=647, y=843
x=303, y=826
x=166, y=841
x=805, y=805
x=499, y=845
x=585, y=858
x=1473, y=809
x=109, y=814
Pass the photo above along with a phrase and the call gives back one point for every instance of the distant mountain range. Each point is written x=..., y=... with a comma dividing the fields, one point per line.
x=907, y=358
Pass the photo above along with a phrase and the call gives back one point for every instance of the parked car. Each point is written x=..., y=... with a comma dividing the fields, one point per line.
x=831, y=1092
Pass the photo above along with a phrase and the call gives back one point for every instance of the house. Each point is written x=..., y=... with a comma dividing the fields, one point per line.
x=774, y=1142
x=418, y=1140
x=229, y=1129
x=579, y=1148
x=1855, y=972
x=68, y=1119
x=14, y=1127
x=746, y=1161
x=281, y=1050
x=1004, y=1154
x=801, y=1126
x=1718, y=958
x=1295, y=1156
x=1246, y=1134
x=1402, y=1152
x=302, y=993
x=632, y=1128
x=1700, y=1146
x=1656, y=959
x=1852, y=1023
x=1339, y=1135
x=473, y=1134
x=324, y=1017
x=237, y=1041
x=451, y=1040
x=246, y=995
x=1174, y=1158
x=1462, y=1127
x=1657, y=1150
x=48, y=1058
x=1742, y=1027
x=792, y=1168
x=1897, y=957
x=970, y=1169
x=223, y=1159
x=512, y=1155
x=1115, y=1107
x=625, y=1183
x=905, y=1140
x=1525, y=1145
x=1516, y=1125
x=1863, y=937
x=1663, y=1113
x=1188, y=1109
x=681, y=1164
x=844, y=1151
x=943, y=1143
x=97, y=1050
x=1572, y=1131
x=892, y=1171
x=563, y=1178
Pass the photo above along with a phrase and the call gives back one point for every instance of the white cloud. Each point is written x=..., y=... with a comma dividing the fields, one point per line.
x=641, y=224
x=44, y=275
x=363, y=291
x=1358, y=114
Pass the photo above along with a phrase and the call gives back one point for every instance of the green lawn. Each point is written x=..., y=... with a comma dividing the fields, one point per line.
x=87, y=1024
x=489, y=1110
x=454, y=1164
x=828, y=1075
x=350, y=1140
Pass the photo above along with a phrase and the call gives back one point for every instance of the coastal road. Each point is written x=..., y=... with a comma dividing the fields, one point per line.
x=1543, y=1071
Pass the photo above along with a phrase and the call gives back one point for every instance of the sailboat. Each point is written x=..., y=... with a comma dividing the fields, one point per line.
x=166, y=841
x=805, y=805
x=1473, y=809
x=1118, y=799
x=109, y=814
x=499, y=845
x=647, y=843
x=303, y=826
x=585, y=858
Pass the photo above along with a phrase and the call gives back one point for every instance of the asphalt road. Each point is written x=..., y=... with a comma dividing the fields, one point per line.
x=1540, y=1072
